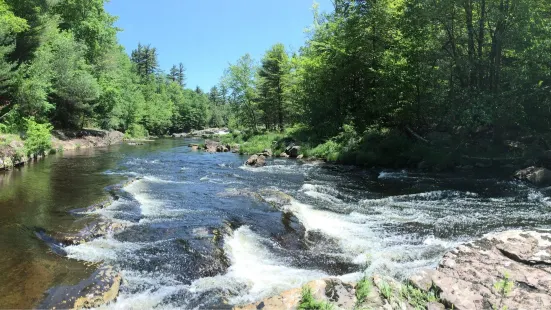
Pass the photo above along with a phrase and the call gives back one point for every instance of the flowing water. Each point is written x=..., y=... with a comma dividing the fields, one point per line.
x=203, y=231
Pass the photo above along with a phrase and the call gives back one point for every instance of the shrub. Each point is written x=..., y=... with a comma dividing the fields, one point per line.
x=137, y=131
x=38, y=139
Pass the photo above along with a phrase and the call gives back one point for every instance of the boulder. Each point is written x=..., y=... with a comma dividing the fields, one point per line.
x=535, y=175
x=256, y=161
x=235, y=148
x=99, y=289
x=284, y=155
x=211, y=146
x=266, y=153
x=473, y=275
x=300, y=156
x=293, y=151
x=194, y=147
x=332, y=290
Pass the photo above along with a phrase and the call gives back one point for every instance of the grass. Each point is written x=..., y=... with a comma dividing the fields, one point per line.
x=308, y=302
x=418, y=298
x=363, y=289
x=252, y=144
x=386, y=290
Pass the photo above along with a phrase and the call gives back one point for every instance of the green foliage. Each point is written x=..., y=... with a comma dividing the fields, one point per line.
x=418, y=298
x=386, y=290
x=308, y=302
x=38, y=139
x=363, y=290
x=504, y=287
x=251, y=144
x=239, y=81
x=272, y=84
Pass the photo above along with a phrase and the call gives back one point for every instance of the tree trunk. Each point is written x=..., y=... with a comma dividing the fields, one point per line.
x=481, y=23
x=468, y=6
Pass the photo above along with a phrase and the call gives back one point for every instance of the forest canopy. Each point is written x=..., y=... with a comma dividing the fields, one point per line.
x=468, y=74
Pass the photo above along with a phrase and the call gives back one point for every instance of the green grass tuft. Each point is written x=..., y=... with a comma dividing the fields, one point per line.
x=418, y=298
x=308, y=302
x=363, y=289
x=386, y=290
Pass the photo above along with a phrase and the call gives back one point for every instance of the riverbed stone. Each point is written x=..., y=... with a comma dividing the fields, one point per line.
x=211, y=146
x=293, y=151
x=101, y=288
x=331, y=290
x=536, y=175
x=256, y=161
x=266, y=153
x=284, y=155
x=469, y=276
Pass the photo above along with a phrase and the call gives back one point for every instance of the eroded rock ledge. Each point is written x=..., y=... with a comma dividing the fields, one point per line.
x=472, y=275
x=507, y=270
x=100, y=288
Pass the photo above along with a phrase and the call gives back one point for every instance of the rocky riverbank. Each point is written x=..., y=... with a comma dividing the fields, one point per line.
x=12, y=152
x=103, y=285
x=507, y=270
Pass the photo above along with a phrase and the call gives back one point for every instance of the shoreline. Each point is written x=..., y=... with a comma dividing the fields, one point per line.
x=12, y=154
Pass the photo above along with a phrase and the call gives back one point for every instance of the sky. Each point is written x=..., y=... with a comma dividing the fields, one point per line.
x=206, y=36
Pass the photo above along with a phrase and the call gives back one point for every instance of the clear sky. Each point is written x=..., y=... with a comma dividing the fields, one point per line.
x=207, y=35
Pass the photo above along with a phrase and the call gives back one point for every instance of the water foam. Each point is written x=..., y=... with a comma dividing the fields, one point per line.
x=280, y=169
x=101, y=250
x=355, y=237
x=151, y=207
x=253, y=265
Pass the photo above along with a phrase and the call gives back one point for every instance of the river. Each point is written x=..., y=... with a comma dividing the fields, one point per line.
x=203, y=231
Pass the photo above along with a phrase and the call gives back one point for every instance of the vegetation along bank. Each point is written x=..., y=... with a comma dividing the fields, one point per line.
x=431, y=85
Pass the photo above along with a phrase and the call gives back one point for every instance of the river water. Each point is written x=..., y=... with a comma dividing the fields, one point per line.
x=203, y=231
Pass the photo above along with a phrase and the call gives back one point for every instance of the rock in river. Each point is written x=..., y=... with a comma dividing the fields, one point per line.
x=535, y=175
x=99, y=289
x=293, y=151
x=256, y=161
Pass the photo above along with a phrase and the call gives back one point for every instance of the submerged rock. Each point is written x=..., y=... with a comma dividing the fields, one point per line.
x=256, y=161
x=99, y=289
x=510, y=269
x=535, y=175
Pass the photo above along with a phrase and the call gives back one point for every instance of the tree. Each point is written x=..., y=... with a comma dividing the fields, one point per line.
x=145, y=59
x=74, y=87
x=274, y=75
x=10, y=26
x=90, y=23
x=239, y=81
x=173, y=74
x=181, y=76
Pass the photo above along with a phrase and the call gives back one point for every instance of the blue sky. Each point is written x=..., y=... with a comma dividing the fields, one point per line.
x=207, y=35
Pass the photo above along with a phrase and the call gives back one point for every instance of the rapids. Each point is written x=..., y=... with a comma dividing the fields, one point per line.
x=198, y=235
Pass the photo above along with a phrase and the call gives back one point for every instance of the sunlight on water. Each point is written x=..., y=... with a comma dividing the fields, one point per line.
x=342, y=223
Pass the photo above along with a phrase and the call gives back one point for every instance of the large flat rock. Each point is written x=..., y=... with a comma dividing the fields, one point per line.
x=472, y=276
